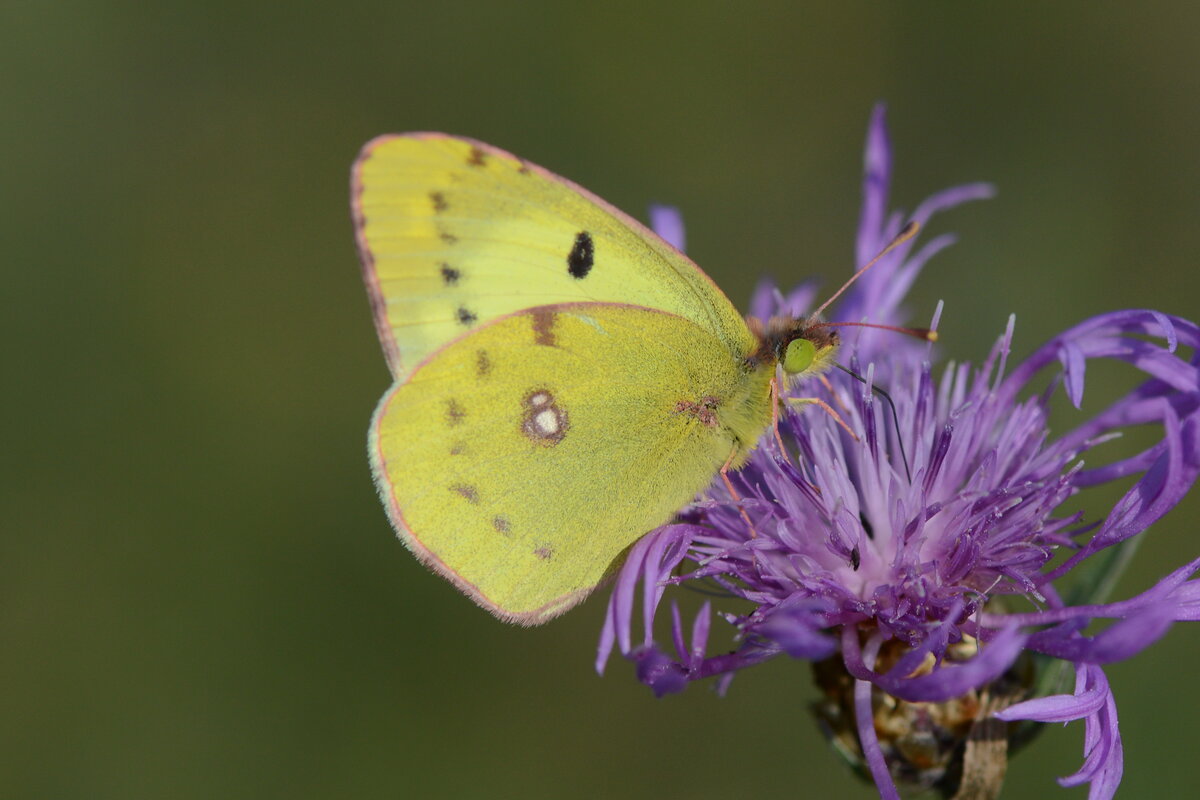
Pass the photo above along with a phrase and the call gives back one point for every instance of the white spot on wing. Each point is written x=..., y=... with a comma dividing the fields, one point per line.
x=546, y=422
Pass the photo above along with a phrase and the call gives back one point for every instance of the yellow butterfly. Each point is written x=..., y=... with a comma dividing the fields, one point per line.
x=564, y=379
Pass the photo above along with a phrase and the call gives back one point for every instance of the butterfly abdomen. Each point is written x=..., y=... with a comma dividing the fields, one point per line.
x=748, y=413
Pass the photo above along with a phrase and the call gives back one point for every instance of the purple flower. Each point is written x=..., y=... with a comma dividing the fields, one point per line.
x=928, y=559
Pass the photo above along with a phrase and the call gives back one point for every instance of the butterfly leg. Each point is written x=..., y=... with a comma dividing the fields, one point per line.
x=804, y=401
x=775, y=414
x=829, y=388
x=733, y=492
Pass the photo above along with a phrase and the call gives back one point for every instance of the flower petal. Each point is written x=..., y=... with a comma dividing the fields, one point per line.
x=877, y=171
x=1118, y=642
x=667, y=222
x=797, y=629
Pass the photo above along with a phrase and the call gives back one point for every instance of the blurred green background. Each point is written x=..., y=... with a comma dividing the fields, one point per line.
x=200, y=594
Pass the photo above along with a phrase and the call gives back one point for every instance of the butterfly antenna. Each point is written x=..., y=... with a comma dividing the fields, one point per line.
x=891, y=405
x=928, y=334
x=909, y=231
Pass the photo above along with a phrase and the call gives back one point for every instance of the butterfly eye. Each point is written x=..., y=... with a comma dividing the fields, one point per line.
x=799, y=356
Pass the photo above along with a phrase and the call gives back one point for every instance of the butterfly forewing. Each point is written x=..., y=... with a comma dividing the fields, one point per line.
x=454, y=233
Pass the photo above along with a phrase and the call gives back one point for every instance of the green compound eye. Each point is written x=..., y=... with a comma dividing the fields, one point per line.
x=799, y=356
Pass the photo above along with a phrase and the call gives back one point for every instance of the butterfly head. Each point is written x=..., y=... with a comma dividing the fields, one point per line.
x=811, y=352
x=803, y=347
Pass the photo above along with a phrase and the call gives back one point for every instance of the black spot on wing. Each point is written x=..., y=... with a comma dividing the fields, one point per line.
x=477, y=157
x=439, y=202
x=582, y=255
x=450, y=275
x=465, y=316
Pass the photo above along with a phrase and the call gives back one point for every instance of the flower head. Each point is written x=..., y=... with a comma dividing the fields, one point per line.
x=923, y=558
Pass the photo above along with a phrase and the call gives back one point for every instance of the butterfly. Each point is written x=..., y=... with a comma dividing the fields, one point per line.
x=564, y=379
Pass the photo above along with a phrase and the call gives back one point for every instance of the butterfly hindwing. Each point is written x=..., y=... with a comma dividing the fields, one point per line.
x=521, y=460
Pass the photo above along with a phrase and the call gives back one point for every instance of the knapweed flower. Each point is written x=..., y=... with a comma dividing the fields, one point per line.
x=925, y=564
